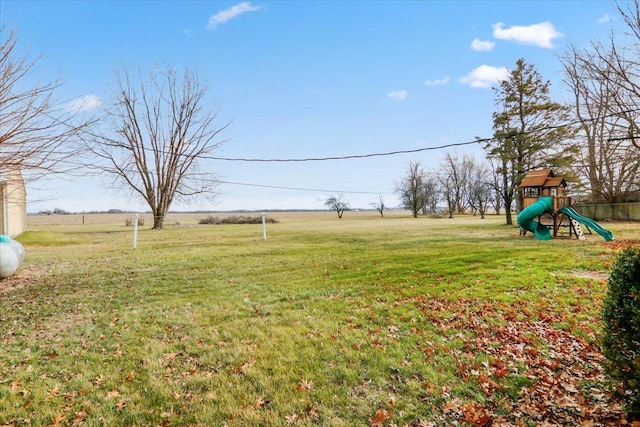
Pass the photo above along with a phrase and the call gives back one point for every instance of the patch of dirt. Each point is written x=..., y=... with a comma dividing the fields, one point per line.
x=22, y=278
x=590, y=274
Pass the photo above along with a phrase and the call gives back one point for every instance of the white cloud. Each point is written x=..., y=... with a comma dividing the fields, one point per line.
x=605, y=18
x=84, y=103
x=540, y=35
x=482, y=45
x=437, y=82
x=398, y=95
x=485, y=76
x=228, y=14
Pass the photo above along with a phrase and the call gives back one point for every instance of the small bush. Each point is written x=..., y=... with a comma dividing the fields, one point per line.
x=210, y=220
x=621, y=337
x=129, y=222
x=236, y=219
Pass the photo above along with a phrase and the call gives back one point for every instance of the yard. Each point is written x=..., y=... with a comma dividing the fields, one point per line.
x=359, y=321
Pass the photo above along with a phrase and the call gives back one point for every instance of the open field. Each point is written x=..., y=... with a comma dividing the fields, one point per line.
x=186, y=218
x=359, y=321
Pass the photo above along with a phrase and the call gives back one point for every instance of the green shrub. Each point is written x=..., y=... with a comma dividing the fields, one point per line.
x=621, y=338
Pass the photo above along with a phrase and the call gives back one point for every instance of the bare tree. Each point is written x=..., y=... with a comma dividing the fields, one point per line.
x=411, y=188
x=626, y=66
x=430, y=194
x=608, y=165
x=337, y=204
x=379, y=205
x=605, y=80
x=161, y=131
x=465, y=184
x=36, y=136
x=480, y=188
x=448, y=191
x=458, y=172
x=496, y=186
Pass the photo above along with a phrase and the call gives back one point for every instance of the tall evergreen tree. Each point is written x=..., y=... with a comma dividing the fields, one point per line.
x=530, y=131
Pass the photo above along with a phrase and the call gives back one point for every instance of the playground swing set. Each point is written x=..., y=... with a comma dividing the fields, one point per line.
x=547, y=209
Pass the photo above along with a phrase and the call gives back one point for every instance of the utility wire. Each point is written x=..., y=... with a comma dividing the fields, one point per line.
x=301, y=189
x=416, y=150
x=354, y=156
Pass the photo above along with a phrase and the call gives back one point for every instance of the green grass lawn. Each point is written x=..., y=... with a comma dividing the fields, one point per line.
x=335, y=322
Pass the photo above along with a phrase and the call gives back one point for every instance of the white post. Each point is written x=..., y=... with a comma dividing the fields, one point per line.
x=135, y=232
x=4, y=203
x=264, y=227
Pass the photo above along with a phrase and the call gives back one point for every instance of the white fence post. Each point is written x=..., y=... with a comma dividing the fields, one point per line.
x=264, y=226
x=135, y=232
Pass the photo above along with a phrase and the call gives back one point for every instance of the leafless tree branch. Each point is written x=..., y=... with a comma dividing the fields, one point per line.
x=160, y=131
x=36, y=136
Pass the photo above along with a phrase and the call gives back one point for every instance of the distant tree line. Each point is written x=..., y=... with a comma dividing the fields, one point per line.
x=462, y=184
x=55, y=211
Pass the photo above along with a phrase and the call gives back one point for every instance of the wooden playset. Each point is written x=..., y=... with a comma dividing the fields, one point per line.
x=544, y=198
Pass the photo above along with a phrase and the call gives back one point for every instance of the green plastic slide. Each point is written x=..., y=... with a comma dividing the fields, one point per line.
x=525, y=218
x=571, y=213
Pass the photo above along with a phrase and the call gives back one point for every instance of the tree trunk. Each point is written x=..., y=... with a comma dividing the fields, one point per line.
x=509, y=218
x=508, y=202
x=158, y=221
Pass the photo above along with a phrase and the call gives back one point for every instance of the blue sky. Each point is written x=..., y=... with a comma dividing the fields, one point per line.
x=306, y=79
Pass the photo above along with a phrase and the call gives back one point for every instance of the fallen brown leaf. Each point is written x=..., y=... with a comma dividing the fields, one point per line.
x=379, y=418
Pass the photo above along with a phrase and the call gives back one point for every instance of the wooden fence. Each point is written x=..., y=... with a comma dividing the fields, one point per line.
x=613, y=211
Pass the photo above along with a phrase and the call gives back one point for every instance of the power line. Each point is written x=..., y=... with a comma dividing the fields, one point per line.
x=388, y=153
x=301, y=189
x=416, y=150
x=354, y=156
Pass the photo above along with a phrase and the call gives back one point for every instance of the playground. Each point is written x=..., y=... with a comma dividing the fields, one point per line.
x=547, y=209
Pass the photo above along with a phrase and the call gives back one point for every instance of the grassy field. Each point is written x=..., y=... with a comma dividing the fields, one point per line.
x=359, y=321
